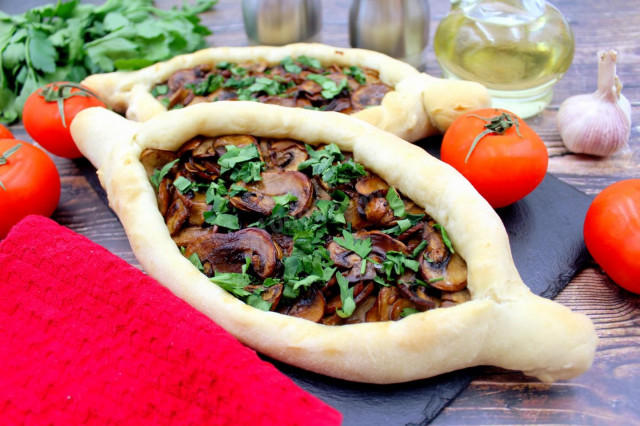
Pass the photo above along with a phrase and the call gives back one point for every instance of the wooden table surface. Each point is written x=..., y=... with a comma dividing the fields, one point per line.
x=606, y=394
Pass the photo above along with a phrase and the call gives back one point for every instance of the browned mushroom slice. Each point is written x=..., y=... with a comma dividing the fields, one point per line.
x=204, y=149
x=369, y=95
x=164, y=196
x=155, y=159
x=204, y=169
x=284, y=154
x=339, y=104
x=222, y=94
x=359, y=314
x=342, y=257
x=448, y=275
x=181, y=96
x=310, y=306
x=418, y=295
x=381, y=243
x=237, y=140
x=187, y=235
x=353, y=216
x=370, y=184
x=278, y=100
x=178, y=79
x=197, y=208
x=259, y=195
x=377, y=211
x=271, y=294
x=361, y=291
x=311, y=89
x=388, y=306
x=227, y=252
x=176, y=216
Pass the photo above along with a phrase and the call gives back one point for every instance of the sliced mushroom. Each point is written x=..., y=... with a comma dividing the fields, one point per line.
x=197, y=208
x=378, y=212
x=369, y=95
x=176, y=216
x=310, y=306
x=370, y=184
x=342, y=257
x=359, y=314
x=227, y=252
x=189, y=234
x=284, y=154
x=418, y=295
x=164, y=196
x=270, y=294
x=381, y=243
x=278, y=100
x=388, y=305
x=237, y=140
x=155, y=159
x=259, y=195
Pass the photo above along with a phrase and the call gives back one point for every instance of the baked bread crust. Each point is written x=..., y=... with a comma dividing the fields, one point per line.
x=503, y=324
x=420, y=105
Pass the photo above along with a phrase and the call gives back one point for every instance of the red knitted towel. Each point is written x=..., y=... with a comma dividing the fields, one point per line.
x=86, y=338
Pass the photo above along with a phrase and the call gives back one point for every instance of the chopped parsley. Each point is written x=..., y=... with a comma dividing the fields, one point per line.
x=329, y=87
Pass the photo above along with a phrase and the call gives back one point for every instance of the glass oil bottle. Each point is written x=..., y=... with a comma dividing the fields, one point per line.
x=518, y=49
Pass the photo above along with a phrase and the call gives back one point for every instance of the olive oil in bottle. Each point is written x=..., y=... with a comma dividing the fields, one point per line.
x=518, y=49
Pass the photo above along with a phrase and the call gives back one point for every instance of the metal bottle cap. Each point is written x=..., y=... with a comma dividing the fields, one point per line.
x=398, y=28
x=278, y=22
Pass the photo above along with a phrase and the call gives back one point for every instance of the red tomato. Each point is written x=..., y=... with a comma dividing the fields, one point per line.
x=5, y=133
x=612, y=232
x=506, y=164
x=30, y=183
x=43, y=121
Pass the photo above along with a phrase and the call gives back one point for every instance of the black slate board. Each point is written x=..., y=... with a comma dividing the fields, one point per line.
x=545, y=231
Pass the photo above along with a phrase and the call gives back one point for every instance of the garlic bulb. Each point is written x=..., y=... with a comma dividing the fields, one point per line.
x=598, y=123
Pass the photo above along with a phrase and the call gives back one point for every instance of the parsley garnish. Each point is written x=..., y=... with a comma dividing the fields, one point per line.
x=357, y=74
x=233, y=282
x=158, y=175
x=395, y=202
x=329, y=87
x=445, y=237
x=346, y=296
x=66, y=41
x=360, y=247
x=183, y=184
x=224, y=220
x=309, y=62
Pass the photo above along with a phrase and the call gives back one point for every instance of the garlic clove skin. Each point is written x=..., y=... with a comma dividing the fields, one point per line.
x=598, y=123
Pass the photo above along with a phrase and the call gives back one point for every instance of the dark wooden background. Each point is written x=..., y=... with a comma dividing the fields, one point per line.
x=609, y=392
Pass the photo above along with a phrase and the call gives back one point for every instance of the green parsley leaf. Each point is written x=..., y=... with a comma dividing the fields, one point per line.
x=195, y=260
x=408, y=311
x=395, y=202
x=346, y=296
x=357, y=74
x=360, y=247
x=158, y=175
x=159, y=90
x=257, y=302
x=232, y=282
x=309, y=62
x=420, y=247
x=236, y=155
x=445, y=237
x=329, y=88
x=285, y=199
x=290, y=66
x=183, y=184
x=224, y=220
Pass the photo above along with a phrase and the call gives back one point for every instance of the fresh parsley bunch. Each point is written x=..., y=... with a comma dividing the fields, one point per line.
x=67, y=41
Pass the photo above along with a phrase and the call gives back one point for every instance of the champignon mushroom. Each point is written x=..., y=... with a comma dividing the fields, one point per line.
x=155, y=159
x=388, y=305
x=227, y=252
x=177, y=215
x=377, y=211
x=187, y=235
x=270, y=294
x=310, y=306
x=455, y=298
x=197, y=207
x=440, y=268
x=370, y=184
x=368, y=95
x=259, y=195
x=381, y=243
x=237, y=140
x=283, y=154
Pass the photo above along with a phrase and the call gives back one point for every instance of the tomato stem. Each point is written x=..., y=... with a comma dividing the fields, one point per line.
x=4, y=156
x=59, y=92
x=497, y=124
